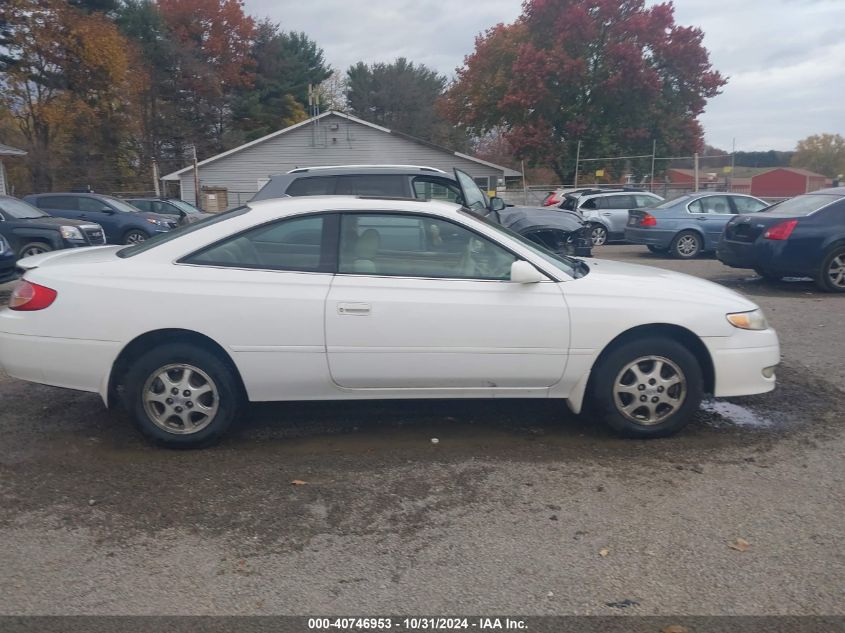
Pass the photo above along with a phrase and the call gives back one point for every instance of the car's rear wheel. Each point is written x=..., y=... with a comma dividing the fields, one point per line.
x=182, y=395
x=134, y=236
x=598, y=235
x=34, y=248
x=657, y=250
x=832, y=271
x=646, y=388
x=686, y=245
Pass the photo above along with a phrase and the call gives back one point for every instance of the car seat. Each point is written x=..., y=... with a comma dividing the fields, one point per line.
x=366, y=249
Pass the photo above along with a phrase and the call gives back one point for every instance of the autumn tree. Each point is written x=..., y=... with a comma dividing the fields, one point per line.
x=67, y=79
x=284, y=65
x=213, y=61
x=400, y=95
x=821, y=153
x=615, y=74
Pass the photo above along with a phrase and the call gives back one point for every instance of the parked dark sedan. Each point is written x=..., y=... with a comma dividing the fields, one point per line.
x=30, y=231
x=800, y=237
x=181, y=211
x=122, y=223
x=7, y=261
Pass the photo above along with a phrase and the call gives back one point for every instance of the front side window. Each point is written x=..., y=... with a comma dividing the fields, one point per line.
x=92, y=205
x=418, y=246
x=165, y=208
x=647, y=201
x=620, y=202
x=295, y=244
x=717, y=205
x=144, y=205
x=428, y=188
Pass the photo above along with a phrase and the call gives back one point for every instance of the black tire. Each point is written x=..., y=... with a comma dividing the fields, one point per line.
x=686, y=245
x=598, y=234
x=134, y=236
x=34, y=248
x=657, y=250
x=827, y=279
x=767, y=275
x=615, y=363
x=227, y=395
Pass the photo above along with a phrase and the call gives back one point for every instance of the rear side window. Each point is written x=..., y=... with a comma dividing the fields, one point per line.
x=717, y=205
x=294, y=244
x=66, y=203
x=371, y=185
x=313, y=186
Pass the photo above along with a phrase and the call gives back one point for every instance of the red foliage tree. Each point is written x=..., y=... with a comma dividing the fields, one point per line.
x=614, y=74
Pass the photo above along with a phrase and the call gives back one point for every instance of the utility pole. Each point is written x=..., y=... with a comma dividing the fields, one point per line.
x=524, y=186
x=196, y=179
x=577, y=160
x=155, y=179
x=653, y=158
x=695, y=169
x=733, y=163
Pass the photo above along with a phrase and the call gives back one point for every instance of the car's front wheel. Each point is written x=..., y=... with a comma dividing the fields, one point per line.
x=686, y=245
x=182, y=395
x=135, y=236
x=646, y=388
x=832, y=271
x=34, y=248
x=598, y=235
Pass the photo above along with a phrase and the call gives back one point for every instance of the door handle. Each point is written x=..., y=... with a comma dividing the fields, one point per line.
x=353, y=309
x=607, y=214
x=702, y=219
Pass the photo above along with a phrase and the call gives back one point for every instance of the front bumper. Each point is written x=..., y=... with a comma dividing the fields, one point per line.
x=740, y=360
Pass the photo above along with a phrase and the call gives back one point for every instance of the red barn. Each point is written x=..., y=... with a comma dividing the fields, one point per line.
x=785, y=182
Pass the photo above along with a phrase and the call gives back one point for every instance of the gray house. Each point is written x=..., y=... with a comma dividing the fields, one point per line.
x=331, y=138
x=6, y=150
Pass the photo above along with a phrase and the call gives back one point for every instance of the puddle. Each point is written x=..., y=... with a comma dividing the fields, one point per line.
x=736, y=414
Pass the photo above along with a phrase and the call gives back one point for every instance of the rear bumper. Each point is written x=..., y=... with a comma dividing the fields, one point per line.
x=649, y=237
x=737, y=254
x=739, y=362
x=61, y=362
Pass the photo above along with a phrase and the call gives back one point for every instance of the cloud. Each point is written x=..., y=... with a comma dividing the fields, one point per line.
x=785, y=59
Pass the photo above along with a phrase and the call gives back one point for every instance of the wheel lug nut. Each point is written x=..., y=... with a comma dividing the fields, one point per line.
x=643, y=398
x=169, y=401
x=655, y=399
x=189, y=404
x=186, y=393
x=174, y=391
x=660, y=390
x=641, y=387
x=178, y=409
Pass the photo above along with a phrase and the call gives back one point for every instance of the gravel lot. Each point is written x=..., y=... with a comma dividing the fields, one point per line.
x=520, y=507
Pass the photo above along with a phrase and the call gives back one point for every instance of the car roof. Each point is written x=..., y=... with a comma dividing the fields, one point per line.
x=365, y=169
x=353, y=204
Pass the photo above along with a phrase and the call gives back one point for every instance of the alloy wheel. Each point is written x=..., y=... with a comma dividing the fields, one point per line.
x=135, y=237
x=836, y=271
x=180, y=399
x=649, y=389
x=687, y=245
x=33, y=250
x=598, y=235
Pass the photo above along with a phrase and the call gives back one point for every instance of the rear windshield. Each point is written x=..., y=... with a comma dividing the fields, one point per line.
x=163, y=238
x=802, y=205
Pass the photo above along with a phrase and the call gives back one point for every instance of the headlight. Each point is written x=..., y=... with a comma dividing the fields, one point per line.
x=753, y=320
x=158, y=222
x=71, y=233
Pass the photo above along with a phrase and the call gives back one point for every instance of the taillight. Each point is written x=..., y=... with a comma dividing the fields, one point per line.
x=648, y=220
x=27, y=296
x=781, y=231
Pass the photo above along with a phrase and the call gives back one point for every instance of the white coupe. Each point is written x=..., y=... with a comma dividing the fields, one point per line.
x=328, y=298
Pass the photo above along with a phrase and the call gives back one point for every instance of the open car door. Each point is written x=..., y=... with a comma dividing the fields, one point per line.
x=474, y=198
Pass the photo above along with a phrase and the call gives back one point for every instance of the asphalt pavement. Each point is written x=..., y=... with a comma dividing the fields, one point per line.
x=519, y=507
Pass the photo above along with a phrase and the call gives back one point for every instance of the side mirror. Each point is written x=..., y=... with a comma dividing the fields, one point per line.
x=497, y=204
x=523, y=272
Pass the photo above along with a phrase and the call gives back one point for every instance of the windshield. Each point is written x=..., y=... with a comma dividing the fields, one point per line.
x=20, y=210
x=802, y=205
x=163, y=238
x=120, y=205
x=183, y=206
x=563, y=263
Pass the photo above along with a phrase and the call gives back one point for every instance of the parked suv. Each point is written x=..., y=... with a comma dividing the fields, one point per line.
x=30, y=231
x=606, y=211
x=121, y=222
x=558, y=231
x=181, y=211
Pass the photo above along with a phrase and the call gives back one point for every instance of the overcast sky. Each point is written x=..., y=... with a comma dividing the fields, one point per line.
x=785, y=59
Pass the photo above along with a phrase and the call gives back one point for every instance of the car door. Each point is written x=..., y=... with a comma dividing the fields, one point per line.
x=263, y=293
x=616, y=211
x=711, y=214
x=421, y=302
x=59, y=206
x=97, y=211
